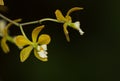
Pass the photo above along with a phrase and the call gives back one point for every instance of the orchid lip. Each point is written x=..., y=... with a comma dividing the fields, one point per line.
x=77, y=26
x=43, y=54
x=42, y=51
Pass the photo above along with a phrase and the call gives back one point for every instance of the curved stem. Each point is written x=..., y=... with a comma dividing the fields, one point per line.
x=49, y=19
x=40, y=21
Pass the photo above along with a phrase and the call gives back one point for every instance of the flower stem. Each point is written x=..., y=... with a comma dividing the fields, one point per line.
x=22, y=31
x=40, y=21
x=49, y=19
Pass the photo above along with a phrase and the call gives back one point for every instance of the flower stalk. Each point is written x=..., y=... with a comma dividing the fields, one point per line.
x=40, y=21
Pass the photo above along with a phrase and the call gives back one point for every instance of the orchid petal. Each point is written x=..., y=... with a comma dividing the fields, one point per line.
x=4, y=46
x=25, y=53
x=37, y=56
x=66, y=32
x=59, y=15
x=69, y=19
x=44, y=39
x=73, y=9
x=1, y=2
x=35, y=32
x=21, y=41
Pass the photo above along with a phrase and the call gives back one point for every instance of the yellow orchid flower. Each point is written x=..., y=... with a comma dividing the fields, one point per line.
x=67, y=20
x=4, y=34
x=39, y=46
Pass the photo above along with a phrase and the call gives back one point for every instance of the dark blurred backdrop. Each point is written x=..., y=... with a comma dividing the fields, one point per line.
x=91, y=57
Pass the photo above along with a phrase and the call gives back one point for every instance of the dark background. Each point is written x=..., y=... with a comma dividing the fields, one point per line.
x=95, y=56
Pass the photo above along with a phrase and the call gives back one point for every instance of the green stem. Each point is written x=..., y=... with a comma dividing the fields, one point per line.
x=22, y=31
x=49, y=19
x=40, y=21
